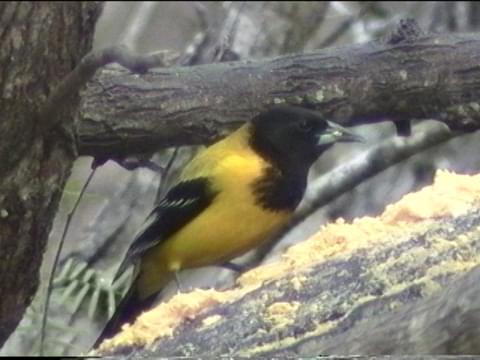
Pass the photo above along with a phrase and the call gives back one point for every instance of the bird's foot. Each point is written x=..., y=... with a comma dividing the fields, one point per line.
x=180, y=288
x=233, y=267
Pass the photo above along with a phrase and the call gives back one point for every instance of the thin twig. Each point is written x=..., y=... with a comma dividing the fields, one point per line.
x=260, y=27
x=57, y=257
x=164, y=174
x=227, y=41
x=138, y=22
x=202, y=16
x=210, y=45
x=342, y=28
x=302, y=25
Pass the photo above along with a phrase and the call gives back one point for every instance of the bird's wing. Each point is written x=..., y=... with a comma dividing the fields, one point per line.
x=181, y=204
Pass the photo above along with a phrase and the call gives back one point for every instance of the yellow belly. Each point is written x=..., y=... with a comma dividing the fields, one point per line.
x=221, y=234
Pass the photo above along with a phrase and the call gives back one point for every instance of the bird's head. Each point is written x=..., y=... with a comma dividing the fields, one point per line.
x=295, y=136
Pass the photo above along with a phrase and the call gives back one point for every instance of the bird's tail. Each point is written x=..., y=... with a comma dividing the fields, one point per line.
x=126, y=312
x=151, y=279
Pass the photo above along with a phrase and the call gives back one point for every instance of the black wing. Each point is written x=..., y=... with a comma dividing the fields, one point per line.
x=182, y=203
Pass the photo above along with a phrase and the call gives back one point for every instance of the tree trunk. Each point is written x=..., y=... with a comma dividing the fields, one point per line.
x=40, y=42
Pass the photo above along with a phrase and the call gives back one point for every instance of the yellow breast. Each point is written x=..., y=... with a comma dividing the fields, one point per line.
x=233, y=224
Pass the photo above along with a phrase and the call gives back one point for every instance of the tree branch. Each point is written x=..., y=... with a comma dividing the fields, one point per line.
x=434, y=76
x=86, y=69
x=446, y=323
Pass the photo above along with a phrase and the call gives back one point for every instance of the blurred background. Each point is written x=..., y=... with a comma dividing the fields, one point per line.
x=117, y=200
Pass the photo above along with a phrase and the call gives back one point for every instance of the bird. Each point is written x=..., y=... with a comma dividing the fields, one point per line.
x=229, y=199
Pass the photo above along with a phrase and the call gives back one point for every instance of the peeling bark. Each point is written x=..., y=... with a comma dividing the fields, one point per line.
x=39, y=44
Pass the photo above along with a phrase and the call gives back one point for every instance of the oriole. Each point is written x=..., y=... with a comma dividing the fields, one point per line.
x=230, y=197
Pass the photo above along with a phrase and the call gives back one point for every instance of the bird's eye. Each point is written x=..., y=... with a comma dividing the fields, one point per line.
x=305, y=126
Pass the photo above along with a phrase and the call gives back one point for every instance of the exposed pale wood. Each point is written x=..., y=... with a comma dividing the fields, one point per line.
x=417, y=295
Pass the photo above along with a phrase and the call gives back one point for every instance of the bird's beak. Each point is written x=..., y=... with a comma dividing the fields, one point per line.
x=336, y=133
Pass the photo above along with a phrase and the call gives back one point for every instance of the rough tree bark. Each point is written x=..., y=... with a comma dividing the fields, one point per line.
x=420, y=77
x=39, y=44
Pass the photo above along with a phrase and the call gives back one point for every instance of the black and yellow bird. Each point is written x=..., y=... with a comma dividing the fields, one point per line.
x=228, y=199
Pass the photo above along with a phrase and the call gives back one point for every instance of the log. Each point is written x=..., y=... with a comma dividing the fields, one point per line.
x=406, y=282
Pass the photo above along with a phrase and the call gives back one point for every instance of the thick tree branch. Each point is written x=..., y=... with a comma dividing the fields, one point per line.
x=86, y=69
x=443, y=324
x=434, y=76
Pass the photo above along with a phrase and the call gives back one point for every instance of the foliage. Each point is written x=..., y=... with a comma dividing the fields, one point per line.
x=79, y=291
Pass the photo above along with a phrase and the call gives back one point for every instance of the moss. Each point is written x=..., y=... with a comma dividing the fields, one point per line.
x=278, y=101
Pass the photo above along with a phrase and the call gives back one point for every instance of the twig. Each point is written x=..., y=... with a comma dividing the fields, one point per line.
x=342, y=28
x=87, y=67
x=260, y=30
x=196, y=52
x=202, y=16
x=213, y=43
x=57, y=257
x=140, y=19
x=301, y=25
x=227, y=41
x=164, y=174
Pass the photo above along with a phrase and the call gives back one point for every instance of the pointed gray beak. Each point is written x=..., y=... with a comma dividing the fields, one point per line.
x=336, y=133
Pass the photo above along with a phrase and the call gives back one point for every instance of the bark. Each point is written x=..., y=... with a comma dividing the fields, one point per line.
x=39, y=44
x=412, y=295
x=420, y=77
